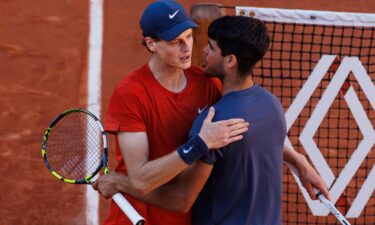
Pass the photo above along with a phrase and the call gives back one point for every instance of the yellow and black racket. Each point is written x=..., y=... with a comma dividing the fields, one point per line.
x=74, y=149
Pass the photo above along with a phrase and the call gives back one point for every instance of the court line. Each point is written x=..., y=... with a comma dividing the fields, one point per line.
x=94, y=91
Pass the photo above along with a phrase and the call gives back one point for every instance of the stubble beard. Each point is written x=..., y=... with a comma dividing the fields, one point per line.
x=215, y=71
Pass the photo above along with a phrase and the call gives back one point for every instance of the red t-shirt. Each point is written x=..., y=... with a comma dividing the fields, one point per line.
x=140, y=104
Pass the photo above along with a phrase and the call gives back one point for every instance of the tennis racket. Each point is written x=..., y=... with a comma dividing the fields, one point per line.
x=74, y=150
x=325, y=201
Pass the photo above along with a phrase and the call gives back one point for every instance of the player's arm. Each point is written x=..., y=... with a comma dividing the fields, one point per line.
x=177, y=195
x=181, y=193
x=145, y=175
x=309, y=177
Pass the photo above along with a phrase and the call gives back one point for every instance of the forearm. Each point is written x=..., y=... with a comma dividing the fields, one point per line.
x=147, y=175
x=152, y=174
x=293, y=157
x=310, y=179
x=180, y=193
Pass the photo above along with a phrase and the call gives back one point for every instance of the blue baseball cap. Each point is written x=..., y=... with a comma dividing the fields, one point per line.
x=165, y=19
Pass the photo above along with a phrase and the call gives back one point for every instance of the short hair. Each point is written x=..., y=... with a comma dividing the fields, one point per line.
x=245, y=37
x=143, y=42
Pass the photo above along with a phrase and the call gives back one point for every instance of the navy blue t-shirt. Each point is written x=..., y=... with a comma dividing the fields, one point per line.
x=245, y=186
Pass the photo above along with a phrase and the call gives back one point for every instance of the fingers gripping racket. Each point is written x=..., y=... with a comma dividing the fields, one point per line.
x=325, y=201
x=74, y=149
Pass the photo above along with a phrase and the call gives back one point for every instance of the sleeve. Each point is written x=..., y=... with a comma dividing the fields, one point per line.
x=125, y=112
x=212, y=155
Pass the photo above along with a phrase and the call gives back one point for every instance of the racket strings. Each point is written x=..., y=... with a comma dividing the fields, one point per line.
x=75, y=146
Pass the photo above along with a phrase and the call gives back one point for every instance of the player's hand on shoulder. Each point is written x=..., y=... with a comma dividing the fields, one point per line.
x=221, y=133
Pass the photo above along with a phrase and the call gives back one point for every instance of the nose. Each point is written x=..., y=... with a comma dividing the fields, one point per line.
x=186, y=46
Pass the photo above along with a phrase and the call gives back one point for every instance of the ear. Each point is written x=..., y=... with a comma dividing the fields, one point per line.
x=231, y=61
x=150, y=43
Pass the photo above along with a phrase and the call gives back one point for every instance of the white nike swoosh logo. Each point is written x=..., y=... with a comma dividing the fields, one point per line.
x=200, y=110
x=173, y=15
x=187, y=150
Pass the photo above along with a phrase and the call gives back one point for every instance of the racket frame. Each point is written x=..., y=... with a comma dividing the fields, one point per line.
x=103, y=162
x=120, y=200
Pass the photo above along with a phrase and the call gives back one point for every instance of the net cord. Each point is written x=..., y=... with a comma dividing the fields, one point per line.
x=308, y=16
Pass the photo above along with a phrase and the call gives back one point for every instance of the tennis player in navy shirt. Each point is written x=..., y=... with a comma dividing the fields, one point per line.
x=245, y=185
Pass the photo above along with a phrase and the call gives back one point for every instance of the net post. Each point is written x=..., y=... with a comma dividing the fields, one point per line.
x=203, y=15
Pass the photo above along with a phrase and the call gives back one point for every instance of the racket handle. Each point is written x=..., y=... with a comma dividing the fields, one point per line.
x=128, y=209
x=331, y=208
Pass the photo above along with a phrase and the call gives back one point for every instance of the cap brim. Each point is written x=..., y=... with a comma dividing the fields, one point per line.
x=176, y=30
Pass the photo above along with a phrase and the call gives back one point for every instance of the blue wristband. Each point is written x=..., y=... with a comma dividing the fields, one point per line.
x=192, y=150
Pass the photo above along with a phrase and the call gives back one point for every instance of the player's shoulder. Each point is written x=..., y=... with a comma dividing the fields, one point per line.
x=265, y=92
x=136, y=80
x=269, y=98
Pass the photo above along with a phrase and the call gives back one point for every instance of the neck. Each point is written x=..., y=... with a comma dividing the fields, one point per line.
x=171, y=78
x=236, y=83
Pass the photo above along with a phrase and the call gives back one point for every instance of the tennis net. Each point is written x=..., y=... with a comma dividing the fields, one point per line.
x=321, y=65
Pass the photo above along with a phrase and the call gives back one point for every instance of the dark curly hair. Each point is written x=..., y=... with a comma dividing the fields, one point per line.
x=244, y=37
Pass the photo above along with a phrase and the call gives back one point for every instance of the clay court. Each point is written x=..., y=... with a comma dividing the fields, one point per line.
x=43, y=71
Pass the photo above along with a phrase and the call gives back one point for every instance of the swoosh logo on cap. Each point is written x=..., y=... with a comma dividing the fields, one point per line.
x=173, y=15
